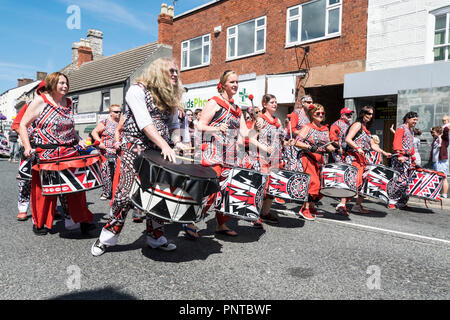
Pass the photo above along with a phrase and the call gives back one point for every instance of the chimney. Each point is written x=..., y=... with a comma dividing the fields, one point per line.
x=84, y=53
x=41, y=75
x=23, y=82
x=75, y=46
x=165, y=24
x=95, y=39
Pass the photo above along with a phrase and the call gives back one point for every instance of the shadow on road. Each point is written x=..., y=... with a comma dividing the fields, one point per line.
x=108, y=293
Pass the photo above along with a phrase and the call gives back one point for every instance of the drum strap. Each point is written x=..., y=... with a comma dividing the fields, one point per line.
x=52, y=146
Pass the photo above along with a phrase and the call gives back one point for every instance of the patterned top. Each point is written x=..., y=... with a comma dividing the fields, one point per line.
x=55, y=126
x=316, y=136
x=271, y=134
x=108, y=134
x=338, y=131
x=131, y=132
x=362, y=139
x=404, y=140
x=299, y=118
x=217, y=147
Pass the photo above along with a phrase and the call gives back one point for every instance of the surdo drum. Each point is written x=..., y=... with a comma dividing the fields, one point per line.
x=425, y=184
x=169, y=191
x=70, y=175
x=241, y=193
x=378, y=182
x=289, y=185
x=338, y=180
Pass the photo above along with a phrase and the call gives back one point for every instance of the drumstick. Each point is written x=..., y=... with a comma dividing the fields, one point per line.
x=184, y=158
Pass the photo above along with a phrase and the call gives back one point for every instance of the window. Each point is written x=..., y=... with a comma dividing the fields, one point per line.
x=106, y=101
x=246, y=39
x=196, y=52
x=75, y=104
x=314, y=20
x=442, y=37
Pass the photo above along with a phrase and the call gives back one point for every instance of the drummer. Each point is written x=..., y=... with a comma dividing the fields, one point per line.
x=404, y=161
x=338, y=130
x=297, y=119
x=58, y=139
x=269, y=140
x=222, y=124
x=314, y=140
x=359, y=142
x=150, y=123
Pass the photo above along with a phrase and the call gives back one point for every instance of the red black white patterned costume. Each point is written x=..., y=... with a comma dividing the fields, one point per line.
x=292, y=154
x=110, y=153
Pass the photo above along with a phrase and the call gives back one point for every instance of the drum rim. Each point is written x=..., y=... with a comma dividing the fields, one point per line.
x=326, y=188
x=78, y=157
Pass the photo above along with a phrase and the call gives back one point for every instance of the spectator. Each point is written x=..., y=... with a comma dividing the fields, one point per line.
x=439, y=154
x=13, y=138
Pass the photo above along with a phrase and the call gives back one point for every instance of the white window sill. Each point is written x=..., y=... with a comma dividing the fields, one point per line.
x=195, y=67
x=293, y=44
x=246, y=56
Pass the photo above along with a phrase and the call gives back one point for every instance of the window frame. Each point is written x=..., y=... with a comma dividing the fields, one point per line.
x=104, y=93
x=204, y=43
x=236, y=37
x=446, y=45
x=329, y=7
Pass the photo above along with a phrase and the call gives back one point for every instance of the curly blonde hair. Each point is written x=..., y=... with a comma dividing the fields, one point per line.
x=156, y=79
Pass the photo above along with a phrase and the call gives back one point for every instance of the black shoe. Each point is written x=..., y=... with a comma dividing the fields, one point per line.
x=269, y=218
x=85, y=227
x=40, y=231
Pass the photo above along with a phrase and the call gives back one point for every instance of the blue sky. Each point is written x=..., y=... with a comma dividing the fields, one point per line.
x=35, y=36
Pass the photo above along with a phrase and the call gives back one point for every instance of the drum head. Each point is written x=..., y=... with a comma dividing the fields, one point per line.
x=337, y=193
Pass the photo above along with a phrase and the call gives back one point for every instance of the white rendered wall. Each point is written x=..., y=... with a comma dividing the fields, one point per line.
x=400, y=32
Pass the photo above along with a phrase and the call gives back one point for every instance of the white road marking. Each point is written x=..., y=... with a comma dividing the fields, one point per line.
x=362, y=226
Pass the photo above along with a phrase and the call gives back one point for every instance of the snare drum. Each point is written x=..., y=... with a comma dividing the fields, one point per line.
x=70, y=175
x=378, y=181
x=169, y=191
x=289, y=185
x=425, y=184
x=338, y=180
x=241, y=193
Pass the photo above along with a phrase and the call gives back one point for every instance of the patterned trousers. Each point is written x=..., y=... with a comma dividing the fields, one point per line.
x=398, y=194
x=108, y=169
x=121, y=203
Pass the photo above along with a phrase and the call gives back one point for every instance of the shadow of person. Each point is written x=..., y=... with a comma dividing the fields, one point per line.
x=60, y=228
x=108, y=293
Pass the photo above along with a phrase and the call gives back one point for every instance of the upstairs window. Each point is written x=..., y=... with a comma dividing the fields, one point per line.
x=196, y=52
x=442, y=37
x=314, y=20
x=246, y=39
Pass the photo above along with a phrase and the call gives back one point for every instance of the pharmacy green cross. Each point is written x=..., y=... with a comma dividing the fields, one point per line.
x=243, y=95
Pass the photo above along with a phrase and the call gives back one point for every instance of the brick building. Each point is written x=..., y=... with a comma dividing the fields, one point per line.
x=282, y=47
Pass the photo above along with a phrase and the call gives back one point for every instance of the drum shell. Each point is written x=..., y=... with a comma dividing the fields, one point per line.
x=338, y=180
x=378, y=181
x=425, y=184
x=166, y=202
x=289, y=185
x=71, y=180
x=241, y=193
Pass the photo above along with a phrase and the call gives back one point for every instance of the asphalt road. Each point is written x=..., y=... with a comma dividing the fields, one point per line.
x=384, y=255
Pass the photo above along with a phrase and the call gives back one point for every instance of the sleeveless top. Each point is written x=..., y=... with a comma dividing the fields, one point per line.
x=271, y=134
x=55, y=126
x=108, y=134
x=219, y=148
x=316, y=136
x=362, y=139
x=131, y=132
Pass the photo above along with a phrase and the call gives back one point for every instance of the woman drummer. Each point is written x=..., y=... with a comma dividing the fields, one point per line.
x=150, y=123
x=222, y=125
x=360, y=143
x=269, y=141
x=314, y=140
x=53, y=132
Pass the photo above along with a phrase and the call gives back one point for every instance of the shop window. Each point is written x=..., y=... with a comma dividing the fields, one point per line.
x=314, y=20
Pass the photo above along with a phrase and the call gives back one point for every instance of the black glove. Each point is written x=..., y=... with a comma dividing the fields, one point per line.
x=312, y=149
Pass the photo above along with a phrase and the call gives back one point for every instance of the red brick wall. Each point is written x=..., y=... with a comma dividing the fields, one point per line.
x=350, y=46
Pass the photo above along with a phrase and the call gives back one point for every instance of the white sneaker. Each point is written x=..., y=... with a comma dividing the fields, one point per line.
x=160, y=243
x=98, y=248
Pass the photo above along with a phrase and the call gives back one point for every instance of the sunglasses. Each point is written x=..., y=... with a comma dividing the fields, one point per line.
x=172, y=71
x=319, y=113
x=116, y=111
